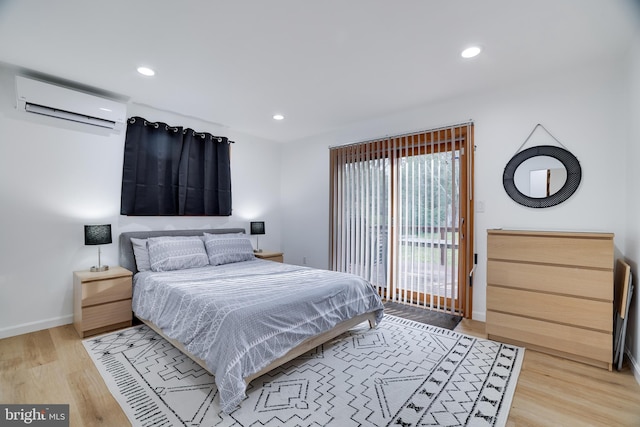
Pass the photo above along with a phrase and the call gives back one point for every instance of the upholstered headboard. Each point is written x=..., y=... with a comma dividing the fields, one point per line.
x=128, y=261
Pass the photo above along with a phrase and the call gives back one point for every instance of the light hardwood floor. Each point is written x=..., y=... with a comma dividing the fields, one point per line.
x=51, y=366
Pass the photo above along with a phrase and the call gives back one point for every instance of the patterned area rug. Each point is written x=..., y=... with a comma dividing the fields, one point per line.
x=402, y=373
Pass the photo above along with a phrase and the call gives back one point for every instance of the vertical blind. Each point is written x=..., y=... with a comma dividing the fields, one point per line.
x=401, y=215
x=360, y=211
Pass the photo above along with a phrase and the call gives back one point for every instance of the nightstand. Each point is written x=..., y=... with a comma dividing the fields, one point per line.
x=270, y=256
x=101, y=300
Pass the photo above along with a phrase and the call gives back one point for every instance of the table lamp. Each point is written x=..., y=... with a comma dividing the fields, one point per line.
x=98, y=235
x=257, y=228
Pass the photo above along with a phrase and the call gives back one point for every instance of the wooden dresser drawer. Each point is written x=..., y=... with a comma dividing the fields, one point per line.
x=553, y=308
x=571, y=340
x=585, y=283
x=554, y=248
x=101, y=291
x=101, y=315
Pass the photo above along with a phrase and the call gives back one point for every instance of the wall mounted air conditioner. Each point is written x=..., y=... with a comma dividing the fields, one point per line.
x=37, y=97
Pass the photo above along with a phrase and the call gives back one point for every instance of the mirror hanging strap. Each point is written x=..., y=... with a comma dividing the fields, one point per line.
x=532, y=132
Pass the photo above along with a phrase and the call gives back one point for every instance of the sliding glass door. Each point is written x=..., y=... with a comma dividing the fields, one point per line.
x=401, y=216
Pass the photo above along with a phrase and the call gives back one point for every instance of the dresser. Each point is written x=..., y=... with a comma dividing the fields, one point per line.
x=102, y=300
x=552, y=292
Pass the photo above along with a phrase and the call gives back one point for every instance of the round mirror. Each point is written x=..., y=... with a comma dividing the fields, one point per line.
x=542, y=176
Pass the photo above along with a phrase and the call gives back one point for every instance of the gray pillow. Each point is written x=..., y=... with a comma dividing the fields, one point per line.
x=169, y=253
x=141, y=254
x=228, y=248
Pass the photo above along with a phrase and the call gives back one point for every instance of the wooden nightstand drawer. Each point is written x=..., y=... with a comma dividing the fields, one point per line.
x=101, y=315
x=101, y=291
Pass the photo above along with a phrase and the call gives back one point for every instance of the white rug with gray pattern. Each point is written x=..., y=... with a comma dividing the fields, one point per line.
x=402, y=373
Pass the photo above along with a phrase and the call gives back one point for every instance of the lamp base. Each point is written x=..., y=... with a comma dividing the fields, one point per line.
x=257, y=251
x=101, y=268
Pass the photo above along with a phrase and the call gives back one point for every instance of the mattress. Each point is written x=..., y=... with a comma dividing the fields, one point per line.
x=239, y=317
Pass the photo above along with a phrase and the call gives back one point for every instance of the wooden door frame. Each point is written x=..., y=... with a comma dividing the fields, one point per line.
x=394, y=148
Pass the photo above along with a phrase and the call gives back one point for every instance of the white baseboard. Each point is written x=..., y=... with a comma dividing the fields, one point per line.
x=480, y=316
x=38, y=325
x=635, y=367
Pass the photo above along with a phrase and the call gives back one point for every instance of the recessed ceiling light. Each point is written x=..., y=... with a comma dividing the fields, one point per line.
x=278, y=117
x=470, y=52
x=145, y=71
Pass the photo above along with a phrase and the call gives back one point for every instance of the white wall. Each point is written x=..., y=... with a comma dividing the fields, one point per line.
x=632, y=247
x=56, y=176
x=584, y=109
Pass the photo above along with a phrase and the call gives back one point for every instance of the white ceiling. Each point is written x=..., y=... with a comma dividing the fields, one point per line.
x=323, y=64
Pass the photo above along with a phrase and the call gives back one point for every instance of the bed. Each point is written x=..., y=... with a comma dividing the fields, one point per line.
x=236, y=315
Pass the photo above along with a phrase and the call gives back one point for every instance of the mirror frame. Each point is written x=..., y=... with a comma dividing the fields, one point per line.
x=570, y=162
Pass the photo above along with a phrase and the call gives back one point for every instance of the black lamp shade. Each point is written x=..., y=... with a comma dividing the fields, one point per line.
x=257, y=227
x=97, y=234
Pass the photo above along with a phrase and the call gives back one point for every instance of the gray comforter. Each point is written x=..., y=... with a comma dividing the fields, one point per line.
x=240, y=317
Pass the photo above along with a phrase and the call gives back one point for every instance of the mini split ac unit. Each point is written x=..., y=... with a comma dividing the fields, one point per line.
x=37, y=97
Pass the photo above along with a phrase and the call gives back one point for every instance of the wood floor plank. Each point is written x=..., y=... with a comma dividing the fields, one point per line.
x=93, y=403
x=52, y=366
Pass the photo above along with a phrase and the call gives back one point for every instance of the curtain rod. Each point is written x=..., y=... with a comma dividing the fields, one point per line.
x=470, y=122
x=176, y=128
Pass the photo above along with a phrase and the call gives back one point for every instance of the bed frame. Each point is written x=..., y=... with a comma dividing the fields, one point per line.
x=127, y=260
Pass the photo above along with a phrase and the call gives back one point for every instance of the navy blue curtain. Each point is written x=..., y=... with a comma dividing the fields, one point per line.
x=174, y=171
